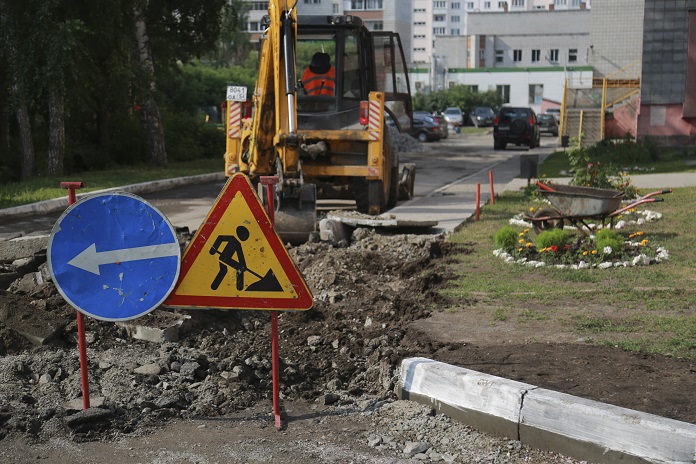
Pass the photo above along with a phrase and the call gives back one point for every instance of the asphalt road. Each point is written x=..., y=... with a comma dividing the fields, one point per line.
x=449, y=161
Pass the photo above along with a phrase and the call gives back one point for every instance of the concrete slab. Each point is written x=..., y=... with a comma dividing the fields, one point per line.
x=386, y=220
x=156, y=327
x=601, y=432
x=491, y=404
x=544, y=419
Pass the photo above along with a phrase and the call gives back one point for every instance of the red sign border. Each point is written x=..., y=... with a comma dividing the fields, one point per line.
x=240, y=183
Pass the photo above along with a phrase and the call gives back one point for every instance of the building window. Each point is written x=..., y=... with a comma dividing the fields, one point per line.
x=575, y=3
x=536, y=56
x=419, y=23
x=438, y=31
x=517, y=56
x=455, y=19
x=419, y=49
x=454, y=32
x=536, y=93
x=419, y=10
x=456, y=6
x=504, y=92
x=259, y=6
x=336, y=8
x=469, y=5
x=439, y=4
x=366, y=4
x=572, y=55
x=553, y=55
x=253, y=26
x=499, y=56
x=518, y=3
x=502, y=5
x=486, y=5
x=312, y=1
x=374, y=25
x=438, y=18
x=419, y=36
x=561, y=2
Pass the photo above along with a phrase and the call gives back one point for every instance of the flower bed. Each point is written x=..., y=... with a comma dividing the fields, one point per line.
x=568, y=248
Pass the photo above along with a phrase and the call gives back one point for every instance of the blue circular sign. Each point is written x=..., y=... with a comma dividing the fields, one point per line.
x=113, y=256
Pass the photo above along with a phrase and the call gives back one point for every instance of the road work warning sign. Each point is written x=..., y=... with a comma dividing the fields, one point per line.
x=237, y=261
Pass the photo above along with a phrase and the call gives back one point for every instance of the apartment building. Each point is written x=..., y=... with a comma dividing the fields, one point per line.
x=436, y=18
x=668, y=72
x=387, y=15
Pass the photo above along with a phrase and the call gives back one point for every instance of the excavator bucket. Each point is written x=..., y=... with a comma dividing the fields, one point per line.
x=296, y=216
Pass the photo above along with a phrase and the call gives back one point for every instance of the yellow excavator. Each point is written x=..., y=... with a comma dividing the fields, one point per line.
x=326, y=90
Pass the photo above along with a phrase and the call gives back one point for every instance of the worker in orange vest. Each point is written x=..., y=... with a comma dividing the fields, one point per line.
x=320, y=77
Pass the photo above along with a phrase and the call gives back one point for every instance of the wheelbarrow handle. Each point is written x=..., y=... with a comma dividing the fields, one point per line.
x=659, y=192
x=543, y=186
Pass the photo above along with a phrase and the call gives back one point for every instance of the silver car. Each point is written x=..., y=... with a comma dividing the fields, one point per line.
x=454, y=116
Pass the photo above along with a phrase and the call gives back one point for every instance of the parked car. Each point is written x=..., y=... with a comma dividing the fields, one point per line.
x=444, y=131
x=516, y=125
x=548, y=124
x=482, y=116
x=454, y=116
x=555, y=112
x=426, y=129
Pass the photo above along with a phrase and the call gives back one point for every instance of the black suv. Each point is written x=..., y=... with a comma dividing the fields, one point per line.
x=515, y=125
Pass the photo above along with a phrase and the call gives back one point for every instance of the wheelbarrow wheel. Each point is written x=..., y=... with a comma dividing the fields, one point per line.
x=548, y=219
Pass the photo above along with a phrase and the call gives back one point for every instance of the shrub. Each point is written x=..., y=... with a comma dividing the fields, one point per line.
x=609, y=239
x=555, y=239
x=506, y=238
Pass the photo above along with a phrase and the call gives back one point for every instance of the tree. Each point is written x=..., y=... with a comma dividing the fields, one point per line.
x=151, y=113
x=10, y=28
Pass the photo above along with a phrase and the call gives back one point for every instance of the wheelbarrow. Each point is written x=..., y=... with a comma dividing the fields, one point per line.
x=579, y=204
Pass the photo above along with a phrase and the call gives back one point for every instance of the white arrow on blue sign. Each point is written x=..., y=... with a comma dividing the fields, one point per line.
x=113, y=256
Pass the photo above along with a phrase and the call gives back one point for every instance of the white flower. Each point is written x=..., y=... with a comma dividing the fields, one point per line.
x=607, y=250
x=641, y=259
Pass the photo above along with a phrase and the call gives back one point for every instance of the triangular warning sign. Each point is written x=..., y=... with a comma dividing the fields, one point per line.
x=237, y=261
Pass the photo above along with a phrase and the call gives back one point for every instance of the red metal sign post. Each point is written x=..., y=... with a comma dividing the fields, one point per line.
x=269, y=182
x=81, y=343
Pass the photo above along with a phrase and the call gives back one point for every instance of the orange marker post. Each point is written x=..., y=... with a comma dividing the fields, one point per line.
x=490, y=180
x=81, y=343
x=478, y=201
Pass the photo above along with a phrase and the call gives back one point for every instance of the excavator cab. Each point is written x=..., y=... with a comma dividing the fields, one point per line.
x=360, y=62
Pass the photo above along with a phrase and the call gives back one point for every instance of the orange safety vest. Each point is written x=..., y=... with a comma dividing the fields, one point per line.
x=319, y=84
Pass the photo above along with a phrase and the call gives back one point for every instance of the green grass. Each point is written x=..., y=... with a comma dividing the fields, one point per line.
x=557, y=165
x=649, y=308
x=39, y=189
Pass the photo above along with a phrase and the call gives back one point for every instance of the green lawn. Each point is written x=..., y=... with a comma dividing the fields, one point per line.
x=647, y=308
x=20, y=193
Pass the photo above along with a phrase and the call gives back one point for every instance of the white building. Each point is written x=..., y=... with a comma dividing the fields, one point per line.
x=526, y=54
x=378, y=15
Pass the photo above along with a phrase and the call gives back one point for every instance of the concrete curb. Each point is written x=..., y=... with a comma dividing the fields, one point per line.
x=544, y=419
x=58, y=204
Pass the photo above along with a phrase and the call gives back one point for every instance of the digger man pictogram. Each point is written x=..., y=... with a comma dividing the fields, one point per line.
x=232, y=256
x=233, y=247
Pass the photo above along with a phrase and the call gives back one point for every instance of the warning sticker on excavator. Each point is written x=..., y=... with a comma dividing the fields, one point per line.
x=237, y=261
